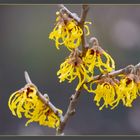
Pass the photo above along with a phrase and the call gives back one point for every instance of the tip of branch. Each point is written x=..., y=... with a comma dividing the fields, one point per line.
x=61, y=5
x=129, y=69
x=85, y=6
x=94, y=41
x=138, y=65
x=27, y=77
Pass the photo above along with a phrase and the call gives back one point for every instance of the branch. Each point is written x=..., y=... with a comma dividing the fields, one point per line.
x=84, y=11
x=70, y=111
x=74, y=98
x=125, y=70
x=27, y=78
x=72, y=15
x=43, y=98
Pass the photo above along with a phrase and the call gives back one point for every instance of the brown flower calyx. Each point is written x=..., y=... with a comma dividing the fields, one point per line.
x=135, y=78
x=75, y=58
x=108, y=80
x=96, y=48
x=63, y=18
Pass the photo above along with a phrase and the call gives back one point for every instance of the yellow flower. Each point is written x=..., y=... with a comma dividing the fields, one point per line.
x=67, y=32
x=21, y=98
x=73, y=67
x=97, y=57
x=26, y=102
x=104, y=92
x=127, y=91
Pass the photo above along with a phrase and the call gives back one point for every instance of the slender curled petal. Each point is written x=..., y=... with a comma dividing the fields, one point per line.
x=72, y=68
x=87, y=28
x=67, y=32
x=108, y=65
x=25, y=102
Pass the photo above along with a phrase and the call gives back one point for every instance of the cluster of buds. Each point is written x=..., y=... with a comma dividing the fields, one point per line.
x=26, y=102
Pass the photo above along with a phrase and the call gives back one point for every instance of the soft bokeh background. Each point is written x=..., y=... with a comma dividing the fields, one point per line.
x=24, y=45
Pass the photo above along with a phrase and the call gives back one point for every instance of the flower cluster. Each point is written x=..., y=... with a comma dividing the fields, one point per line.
x=111, y=91
x=67, y=32
x=83, y=67
x=26, y=102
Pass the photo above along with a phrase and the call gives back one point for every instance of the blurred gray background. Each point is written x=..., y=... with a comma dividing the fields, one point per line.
x=24, y=45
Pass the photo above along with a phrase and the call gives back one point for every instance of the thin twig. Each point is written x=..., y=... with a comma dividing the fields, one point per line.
x=125, y=70
x=72, y=15
x=70, y=111
x=137, y=66
x=84, y=11
x=43, y=98
x=27, y=78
